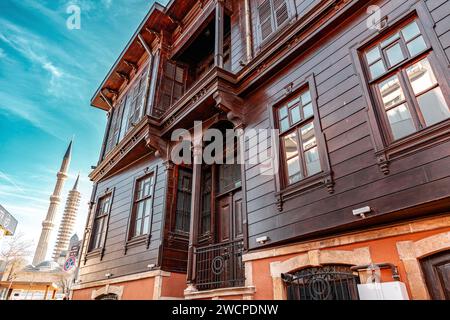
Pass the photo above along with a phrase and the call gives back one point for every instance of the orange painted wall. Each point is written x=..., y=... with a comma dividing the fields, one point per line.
x=139, y=289
x=174, y=285
x=382, y=250
x=132, y=290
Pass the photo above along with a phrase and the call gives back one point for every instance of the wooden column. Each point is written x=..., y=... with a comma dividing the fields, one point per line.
x=46, y=293
x=54, y=294
x=195, y=213
x=218, y=57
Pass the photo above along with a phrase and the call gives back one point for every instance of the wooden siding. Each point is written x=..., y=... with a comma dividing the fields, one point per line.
x=137, y=258
x=440, y=12
x=414, y=179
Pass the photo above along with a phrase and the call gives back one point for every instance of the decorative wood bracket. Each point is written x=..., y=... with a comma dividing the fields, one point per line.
x=232, y=106
x=123, y=76
x=160, y=146
x=132, y=65
x=383, y=162
x=155, y=33
x=107, y=90
x=280, y=202
x=329, y=183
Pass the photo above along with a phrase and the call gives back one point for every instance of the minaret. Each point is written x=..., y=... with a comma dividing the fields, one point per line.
x=48, y=224
x=68, y=221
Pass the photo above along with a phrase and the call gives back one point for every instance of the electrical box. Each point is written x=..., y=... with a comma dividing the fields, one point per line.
x=383, y=291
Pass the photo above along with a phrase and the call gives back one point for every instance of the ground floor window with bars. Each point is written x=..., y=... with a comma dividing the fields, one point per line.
x=331, y=282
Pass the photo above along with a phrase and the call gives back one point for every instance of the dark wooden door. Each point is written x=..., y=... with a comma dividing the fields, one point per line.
x=229, y=209
x=436, y=269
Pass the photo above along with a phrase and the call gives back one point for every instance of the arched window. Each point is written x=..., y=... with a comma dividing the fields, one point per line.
x=331, y=282
x=109, y=296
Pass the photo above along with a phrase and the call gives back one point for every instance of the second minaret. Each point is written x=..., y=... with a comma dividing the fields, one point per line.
x=68, y=221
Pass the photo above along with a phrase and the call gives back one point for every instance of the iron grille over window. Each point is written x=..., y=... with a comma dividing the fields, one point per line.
x=220, y=266
x=322, y=283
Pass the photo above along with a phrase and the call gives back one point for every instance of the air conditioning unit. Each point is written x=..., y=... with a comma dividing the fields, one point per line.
x=383, y=291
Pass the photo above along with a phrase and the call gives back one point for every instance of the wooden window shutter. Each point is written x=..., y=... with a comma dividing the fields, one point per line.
x=265, y=19
x=281, y=12
x=111, y=135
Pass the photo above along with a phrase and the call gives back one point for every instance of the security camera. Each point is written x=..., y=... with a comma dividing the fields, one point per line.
x=362, y=212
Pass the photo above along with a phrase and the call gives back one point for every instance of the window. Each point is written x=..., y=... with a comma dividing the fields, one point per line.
x=184, y=195
x=402, y=69
x=272, y=14
x=114, y=131
x=172, y=84
x=298, y=138
x=142, y=208
x=98, y=236
x=136, y=101
x=206, y=201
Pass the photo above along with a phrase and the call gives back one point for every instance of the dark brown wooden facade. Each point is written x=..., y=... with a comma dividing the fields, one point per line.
x=237, y=63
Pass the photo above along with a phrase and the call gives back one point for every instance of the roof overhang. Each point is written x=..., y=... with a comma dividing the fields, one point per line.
x=158, y=19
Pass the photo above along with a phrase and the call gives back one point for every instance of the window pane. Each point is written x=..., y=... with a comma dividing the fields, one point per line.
x=391, y=92
x=148, y=207
x=389, y=40
x=421, y=76
x=294, y=172
x=308, y=111
x=284, y=124
x=283, y=112
x=433, y=106
x=140, y=210
x=146, y=224
x=411, y=31
x=373, y=55
x=295, y=114
x=290, y=145
x=401, y=121
x=395, y=54
x=294, y=102
x=377, y=69
x=308, y=136
x=137, y=229
x=312, y=161
x=306, y=97
x=417, y=46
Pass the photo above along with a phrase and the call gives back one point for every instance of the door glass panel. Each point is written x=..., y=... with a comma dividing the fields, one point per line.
x=401, y=121
x=395, y=54
x=433, y=106
x=391, y=92
x=416, y=46
x=421, y=76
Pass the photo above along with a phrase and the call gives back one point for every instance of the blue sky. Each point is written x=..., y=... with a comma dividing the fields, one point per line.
x=48, y=75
